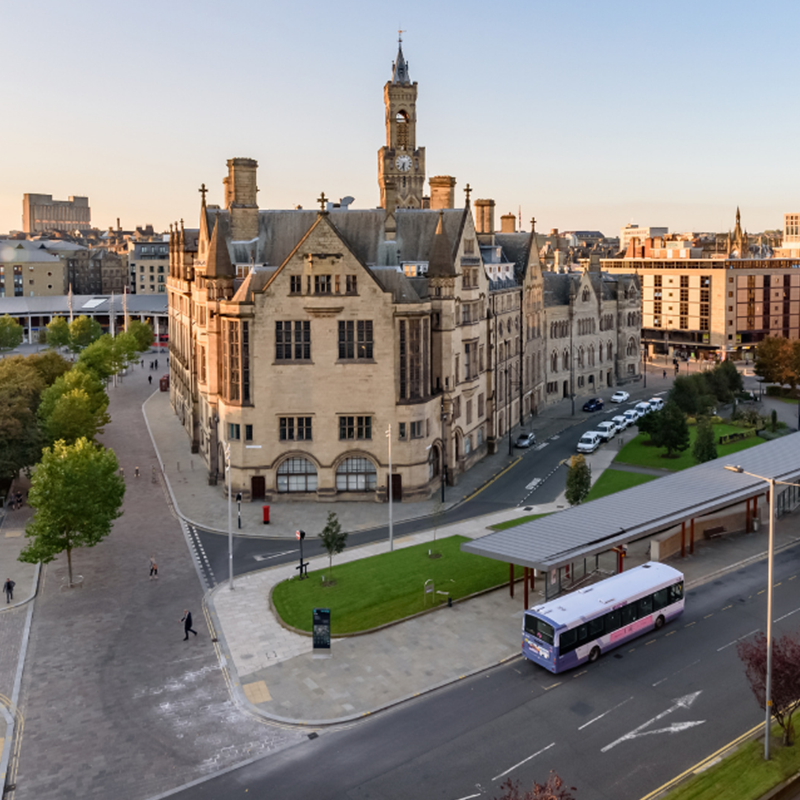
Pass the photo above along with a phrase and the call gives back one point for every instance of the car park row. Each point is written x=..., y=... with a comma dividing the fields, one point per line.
x=607, y=429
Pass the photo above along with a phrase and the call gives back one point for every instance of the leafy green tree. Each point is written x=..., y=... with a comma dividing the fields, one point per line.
x=332, y=538
x=579, y=480
x=777, y=362
x=11, y=333
x=82, y=332
x=124, y=350
x=705, y=448
x=58, y=332
x=50, y=365
x=143, y=334
x=673, y=432
x=75, y=405
x=691, y=394
x=98, y=358
x=77, y=494
x=649, y=424
x=21, y=386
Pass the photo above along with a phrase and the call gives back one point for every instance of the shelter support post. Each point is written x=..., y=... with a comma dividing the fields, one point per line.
x=755, y=506
x=511, y=580
x=525, y=593
x=532, y=573
x=747, y=518
x=683, y=539
x=691, y=536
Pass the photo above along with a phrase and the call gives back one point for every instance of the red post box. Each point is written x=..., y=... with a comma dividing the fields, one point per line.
x=265, y=510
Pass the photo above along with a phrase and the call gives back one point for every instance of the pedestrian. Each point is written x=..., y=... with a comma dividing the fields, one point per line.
x=122, y=473
x=156, y=363
x=665, y=373
x=142, y=363
x=150, y=379
x=186, y=619
x=8, y=588
x=153, y=568
x=136, y=472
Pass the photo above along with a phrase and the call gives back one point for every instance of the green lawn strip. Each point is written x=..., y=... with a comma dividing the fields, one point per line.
x=636, y=452
x=615, y=480
x=790, y=400
x=743, y=775
x=512, y=523
x=388, y=587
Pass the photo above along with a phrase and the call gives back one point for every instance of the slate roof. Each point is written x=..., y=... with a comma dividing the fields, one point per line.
x=59, y=305
x=595, y=527
x=22, y=251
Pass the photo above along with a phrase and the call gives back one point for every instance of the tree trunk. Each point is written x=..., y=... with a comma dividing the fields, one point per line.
x=69, y=565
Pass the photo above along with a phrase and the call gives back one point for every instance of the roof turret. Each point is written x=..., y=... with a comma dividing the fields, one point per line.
x=400, y=67
x=218, y=260
x=440, y=264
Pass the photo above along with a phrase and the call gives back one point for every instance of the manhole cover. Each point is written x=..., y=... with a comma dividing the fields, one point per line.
x=313, y=735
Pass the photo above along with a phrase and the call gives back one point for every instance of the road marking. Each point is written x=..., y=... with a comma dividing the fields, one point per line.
x=727, y=607
x=533, y=484
x=580, y=673
x=776, y=585
x=541, y=446
x=469, y=796
x=676, y=673
x=555, y=436
x=274, y=555
x=524, y=761
x=670, y=633
x=720, y=649
x=681, y=702
x=552, y=686
x=652, y=641
x=587, y=724
x=787, y=615
x=689, y=625
x=708, y=615
x=762, y=591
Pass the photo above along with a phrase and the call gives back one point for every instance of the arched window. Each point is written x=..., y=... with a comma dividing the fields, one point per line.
x=356, y=475
x=580, y=357
x=566, y=359
x=433, y=463
x=554, y=362
x=297, y=475
x=632, y=349
x=402, y=130
x=600, y=352
x=585, y=294
x=591, y=355
x=610, y=351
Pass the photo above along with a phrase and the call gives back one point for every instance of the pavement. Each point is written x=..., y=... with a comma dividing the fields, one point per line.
x=275, y=671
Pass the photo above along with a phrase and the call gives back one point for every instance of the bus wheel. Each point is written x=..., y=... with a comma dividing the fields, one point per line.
x=594, y=655
x=659, y=622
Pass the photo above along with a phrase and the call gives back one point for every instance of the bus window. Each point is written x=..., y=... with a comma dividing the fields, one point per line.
x=646, y=606
x=660, y=599
x=611, y=621
x=539, y=628
x=675, y=592
x=596, y=627
x=583, y=634
x=567, y=640
x=629, y=613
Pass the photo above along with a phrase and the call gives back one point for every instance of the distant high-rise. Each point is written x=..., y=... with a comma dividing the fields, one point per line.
x=40, y=213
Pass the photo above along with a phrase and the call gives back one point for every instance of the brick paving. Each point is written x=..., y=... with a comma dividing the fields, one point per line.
x=115, y=703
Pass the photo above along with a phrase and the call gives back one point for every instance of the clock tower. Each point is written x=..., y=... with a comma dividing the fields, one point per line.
x=401, y=164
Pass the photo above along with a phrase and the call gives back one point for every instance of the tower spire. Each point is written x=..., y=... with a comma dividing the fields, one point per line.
x=400, y=67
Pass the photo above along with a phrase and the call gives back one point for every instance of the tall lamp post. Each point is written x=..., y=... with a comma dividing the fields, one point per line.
x=644, y=363
x=444, y=451
x=770, y=558
x=390, y=488
x=230, y=515
x=508, y=411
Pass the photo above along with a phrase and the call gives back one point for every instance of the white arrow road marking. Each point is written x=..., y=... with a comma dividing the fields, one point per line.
x=535, y=482
x=524, y=761
x=682, y=702
x=274, y=555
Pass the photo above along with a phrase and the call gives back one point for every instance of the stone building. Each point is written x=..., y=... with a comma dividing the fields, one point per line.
x=28, y=270
x=300, y=340
x=41, y=213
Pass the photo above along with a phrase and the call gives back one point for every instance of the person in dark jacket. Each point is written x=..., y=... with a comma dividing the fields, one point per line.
x=187, y=624
x=8, y=588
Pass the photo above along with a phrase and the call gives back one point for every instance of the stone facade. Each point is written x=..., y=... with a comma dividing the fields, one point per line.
x=40, y=213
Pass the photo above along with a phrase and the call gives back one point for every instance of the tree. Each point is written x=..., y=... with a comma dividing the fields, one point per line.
x=124, y=350
x=778, y=361
x=58, y=332
x=77, y=494
x=50, y=365
x=98, y=358
x=672, y=432
x=142, y=333
x=20, y=389
x=705, y=448
x=579, y=480
x=72, y=417
x=332, y=537
x=11, y=333
x=785, y=688
x=650, y=424
x=552, y=789
x=82, y=332
x=691, y=394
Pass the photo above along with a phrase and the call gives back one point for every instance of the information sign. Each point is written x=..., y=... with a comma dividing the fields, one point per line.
x=322, y=628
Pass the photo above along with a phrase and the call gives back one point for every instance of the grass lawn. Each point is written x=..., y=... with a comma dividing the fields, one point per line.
x=512, y=523
x=615, y=480
x=388, y=587
x=790, y=400
x=744, y=775
x=636, y=452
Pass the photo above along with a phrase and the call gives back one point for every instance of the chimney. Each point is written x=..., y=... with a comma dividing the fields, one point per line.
x=443, y=190
x=484, y=216
x=240, y=198
x=119, y=228
x=508, y=223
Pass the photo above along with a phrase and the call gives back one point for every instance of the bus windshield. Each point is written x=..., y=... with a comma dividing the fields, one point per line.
x=538, y=628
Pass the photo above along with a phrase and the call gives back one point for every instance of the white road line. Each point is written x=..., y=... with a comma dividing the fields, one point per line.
x=534, y=483
x=587, y=724
x=274, y=555
x=676, y=673
x=524, y=761
x=787, y=615
x=555, y=436
x=720, y=649
x=469, y=796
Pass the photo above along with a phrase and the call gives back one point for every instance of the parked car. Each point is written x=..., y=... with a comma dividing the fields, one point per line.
x=621, y=422
x=657, y=403
x=607, y=430
x=594, y=404
x=589, y=442
x=643, y=408
x=525, y=440
x=620, y=397
x=632, y=415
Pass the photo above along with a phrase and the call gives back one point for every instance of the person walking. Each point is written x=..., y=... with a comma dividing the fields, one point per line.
x=8, y=588
x=187, y=624
x=153, y=568
x=150, y=379
x=665, y=373
x=142, y=363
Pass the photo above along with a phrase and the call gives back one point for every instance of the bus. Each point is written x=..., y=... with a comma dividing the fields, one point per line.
x=580, y=626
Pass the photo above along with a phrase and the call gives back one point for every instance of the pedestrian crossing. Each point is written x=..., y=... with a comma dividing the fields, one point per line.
x=201, y=559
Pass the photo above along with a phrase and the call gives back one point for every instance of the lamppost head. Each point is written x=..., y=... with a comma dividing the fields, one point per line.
x=732, y=468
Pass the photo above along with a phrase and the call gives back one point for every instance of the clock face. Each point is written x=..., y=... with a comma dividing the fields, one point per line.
x=403, y=163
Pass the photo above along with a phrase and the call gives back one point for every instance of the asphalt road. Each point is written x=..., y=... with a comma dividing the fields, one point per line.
x=617, y=729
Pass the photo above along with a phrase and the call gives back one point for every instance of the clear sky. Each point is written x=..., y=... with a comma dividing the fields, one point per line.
x=588, y=114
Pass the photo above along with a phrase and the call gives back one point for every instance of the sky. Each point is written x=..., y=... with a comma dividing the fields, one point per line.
x=587, y=115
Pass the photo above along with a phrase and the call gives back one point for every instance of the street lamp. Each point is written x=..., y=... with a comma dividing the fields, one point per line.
x=390, y=487
x=230, y=515
x=770, y=557
x=644, y=363
x=239, y=510
x=508, y=411
x=444, y=451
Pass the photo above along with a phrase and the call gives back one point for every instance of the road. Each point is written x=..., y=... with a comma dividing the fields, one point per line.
x=618, y=728
x=510, y=490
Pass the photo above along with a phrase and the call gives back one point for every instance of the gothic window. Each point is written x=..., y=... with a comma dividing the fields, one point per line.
x=554, y=362
x=585, y=294
x=580, y=357
x=591, y=355
x=356, y=475
x=609, y=351
x=632, y=349
x=401, y=120
x=565, y=359
x=297, y=475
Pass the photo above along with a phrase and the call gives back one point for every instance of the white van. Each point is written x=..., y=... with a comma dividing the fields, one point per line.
x=607, y=430
x=589, y=442
x=632, y=415
x=656, y=403
x=643, y=408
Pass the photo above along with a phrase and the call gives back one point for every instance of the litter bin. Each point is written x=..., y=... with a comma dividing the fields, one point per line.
x=265, y=510
x=163, y=383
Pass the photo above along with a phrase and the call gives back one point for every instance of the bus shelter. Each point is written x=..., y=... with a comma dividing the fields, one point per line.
x=553, y=544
